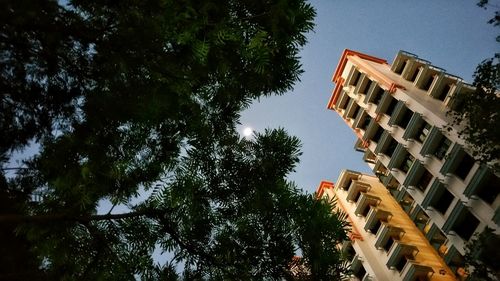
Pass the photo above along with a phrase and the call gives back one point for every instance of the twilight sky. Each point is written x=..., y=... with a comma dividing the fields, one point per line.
x=451, y=34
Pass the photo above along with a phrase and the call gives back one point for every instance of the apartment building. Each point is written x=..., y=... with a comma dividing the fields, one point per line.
x=385, y=243
x=398, y=112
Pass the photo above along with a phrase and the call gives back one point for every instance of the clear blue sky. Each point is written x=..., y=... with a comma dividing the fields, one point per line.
x=452, y=34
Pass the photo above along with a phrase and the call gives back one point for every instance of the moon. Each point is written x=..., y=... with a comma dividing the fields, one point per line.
x=247, y=131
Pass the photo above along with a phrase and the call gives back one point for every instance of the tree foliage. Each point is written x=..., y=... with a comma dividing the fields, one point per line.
x=478, y=112
x=482, y=257
x=136, y=103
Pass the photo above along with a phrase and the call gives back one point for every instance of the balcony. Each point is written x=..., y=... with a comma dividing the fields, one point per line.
x=386, y=236
x=406, y=201
x=436, y=238
x=413, y=69
x=370, y=130
x=399, y=65
x=431, y=142
x=343, y=101
x=359, y=120
x=414, y=174
x=398, y=157
x=373, y=93
x=496, y=216
x=400, y=254
x=481, y=185
x=363, y=85
x=419, y=217
x=413, y=271
x=353, y=77
x=355, y=190
x=351, y=109
x=357, y=269
x=428, y=77
x=433, y=195
x=453, y=161
x=347, y=250
x=369, y=157
x=413, y=127
x=461, y=222
x=347, y=181
x=392, y=184
x=445, y=85
x=364, y=203
x=384, y=103
x=462, y=87
x=397, y=114
x=453, y=259
x=383, y=143
x=375, y=218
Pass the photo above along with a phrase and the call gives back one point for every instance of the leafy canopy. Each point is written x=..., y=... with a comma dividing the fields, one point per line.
x=129, y=98
x=478, y=112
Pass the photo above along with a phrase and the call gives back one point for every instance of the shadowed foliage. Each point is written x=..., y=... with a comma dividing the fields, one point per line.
x=133, y=104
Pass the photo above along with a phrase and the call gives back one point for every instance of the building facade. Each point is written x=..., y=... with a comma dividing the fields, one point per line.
x=385, y=243
x=398, y=112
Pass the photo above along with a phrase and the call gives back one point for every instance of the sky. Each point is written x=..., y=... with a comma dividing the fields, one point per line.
x=451, y=34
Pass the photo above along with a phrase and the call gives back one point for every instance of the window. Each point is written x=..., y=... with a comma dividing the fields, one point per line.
x=427, y=85
x=425, y=179
x=347, y=184
x=389, y=150
x=401, y=67
x=378, y=134
x=366, y=210
x=366, y=122
x=414, y=75
x=391, y=107
x=444, y=201
x=374, y=229
x=355, y=112
x=360, y=273
x=364, y=88
x=403, y=122
x=402, y=262
x=388, y=244
x=407, y=202
x=393, y=187
x=464, y=168
x=344, y=101
x=444, y=92
x=355, y=80
x=377, y=95
x=488, y=191
x=420, y=217
x=423, y=132
x=442, y=148
x=467, y=226
x=407, y=162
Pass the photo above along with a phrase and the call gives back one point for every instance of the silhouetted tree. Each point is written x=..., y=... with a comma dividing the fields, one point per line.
x=482, y=257
x=135, y=103
x=478, y=113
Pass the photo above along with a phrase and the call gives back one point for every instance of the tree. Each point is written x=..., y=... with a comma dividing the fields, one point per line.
x=495, y=20
x=478, y=112
x=226, y=212
x=482, y=257
x=124, y=96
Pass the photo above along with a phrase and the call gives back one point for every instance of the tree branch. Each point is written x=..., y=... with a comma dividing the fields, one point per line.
x=63, y=217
